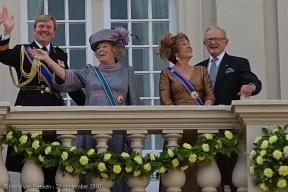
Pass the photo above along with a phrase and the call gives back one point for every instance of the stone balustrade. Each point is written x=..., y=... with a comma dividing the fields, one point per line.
x=138, y=121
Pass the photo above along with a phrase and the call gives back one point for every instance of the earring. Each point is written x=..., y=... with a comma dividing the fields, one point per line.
x=177, y=57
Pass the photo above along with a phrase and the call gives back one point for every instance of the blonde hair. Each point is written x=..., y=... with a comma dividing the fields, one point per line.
x=45, y=18
x=118, y=52
x=168, y=46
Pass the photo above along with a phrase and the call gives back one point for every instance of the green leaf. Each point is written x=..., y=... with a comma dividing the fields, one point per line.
x=265, y=130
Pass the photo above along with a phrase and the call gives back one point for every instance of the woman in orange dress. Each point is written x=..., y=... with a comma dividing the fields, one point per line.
x=174, y=91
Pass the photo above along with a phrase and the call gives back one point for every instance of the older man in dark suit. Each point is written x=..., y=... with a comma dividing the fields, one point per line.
x=231, y=78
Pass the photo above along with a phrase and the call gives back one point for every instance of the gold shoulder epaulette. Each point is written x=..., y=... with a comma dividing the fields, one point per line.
x=61, y=49
x=22, y=44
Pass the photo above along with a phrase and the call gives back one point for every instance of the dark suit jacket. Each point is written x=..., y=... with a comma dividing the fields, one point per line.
x=233, y=73
x=11, y=57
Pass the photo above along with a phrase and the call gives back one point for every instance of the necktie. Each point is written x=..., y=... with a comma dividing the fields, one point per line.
x=213, y=65
x=45, y=49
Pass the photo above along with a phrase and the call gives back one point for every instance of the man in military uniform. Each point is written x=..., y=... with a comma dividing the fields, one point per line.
x=34, y=81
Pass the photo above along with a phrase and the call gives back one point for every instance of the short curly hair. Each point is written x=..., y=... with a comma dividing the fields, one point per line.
x=168, y=46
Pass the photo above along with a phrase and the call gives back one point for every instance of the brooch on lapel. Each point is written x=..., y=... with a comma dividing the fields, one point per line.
x=194, y=95
x=119, y=99
x=61, y=63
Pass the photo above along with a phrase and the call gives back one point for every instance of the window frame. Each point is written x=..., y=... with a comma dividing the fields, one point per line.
x=173, y=28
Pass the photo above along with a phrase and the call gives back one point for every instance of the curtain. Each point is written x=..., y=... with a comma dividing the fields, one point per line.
x=35, y=8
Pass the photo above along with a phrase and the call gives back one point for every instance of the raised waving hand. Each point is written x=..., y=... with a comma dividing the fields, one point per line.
x=39, y=54
x=7, y=20
x=42, y=55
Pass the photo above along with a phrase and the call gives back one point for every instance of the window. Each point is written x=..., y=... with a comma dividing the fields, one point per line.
x=74, y=25
x=148, y=21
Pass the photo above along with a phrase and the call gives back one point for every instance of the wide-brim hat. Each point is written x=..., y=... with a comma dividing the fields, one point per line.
x=119, y=36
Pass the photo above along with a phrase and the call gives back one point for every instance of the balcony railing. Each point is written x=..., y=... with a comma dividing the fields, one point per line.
x=138, y=121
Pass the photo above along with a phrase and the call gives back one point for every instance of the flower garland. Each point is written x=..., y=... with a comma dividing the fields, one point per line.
x=270, y=159
x=109, y=165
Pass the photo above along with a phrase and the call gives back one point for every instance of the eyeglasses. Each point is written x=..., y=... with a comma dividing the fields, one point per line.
x=217, y=40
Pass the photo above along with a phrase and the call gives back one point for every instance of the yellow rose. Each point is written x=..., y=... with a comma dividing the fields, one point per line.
x=125, y=155
x=72, y=148
x=273, y=139
x=64, y=155
x=287, y=137
x=275, y=129
x=55, y=143
x=277, y=154
x=136, y=173
x=128, y=169
x=263, y=187
x=83, y=160
x=264, y=144
x=104, y=175
x=138, y=160
x=201, y=158
x=152, y=157
x=208, y=136
x=192, y=158
x=69, y=168
x=117, y=169
x=147, y=167
x=251, y=169
x=205, y=147
x=41, y=159
x=23, y=139
x=34, y=135
x=175, y=162
x=257, y=139
x=228, y=135
x=252, y=154
x=47, y=150
x=107, y=156
x=263, y=152
x=281, y=183
x=268, y=172
x=259, y=160
x=9, y=135
x=184, y=168
x=15, y=148
x=283, y=170
x=35, y=144
x=101, y=167
x=218, y=145
x=285, y=149
x=170, y=153
x=28, y=152
x=162, y=169
x=91, y=151
x=187, y=146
